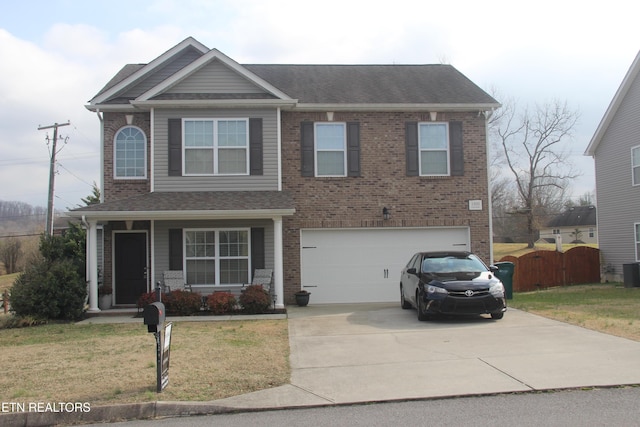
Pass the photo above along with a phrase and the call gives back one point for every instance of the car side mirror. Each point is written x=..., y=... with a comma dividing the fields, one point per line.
x=412, y=271
x=494, y=269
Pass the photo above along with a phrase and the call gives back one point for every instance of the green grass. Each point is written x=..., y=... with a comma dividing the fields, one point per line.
x=609, y=308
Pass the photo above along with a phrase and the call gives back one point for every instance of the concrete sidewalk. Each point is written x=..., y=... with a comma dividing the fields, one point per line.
x=353, y=353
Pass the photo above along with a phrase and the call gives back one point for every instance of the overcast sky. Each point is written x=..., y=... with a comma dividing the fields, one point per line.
x=55, y=55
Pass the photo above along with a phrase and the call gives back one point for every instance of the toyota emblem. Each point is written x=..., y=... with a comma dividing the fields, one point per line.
x=469, y=293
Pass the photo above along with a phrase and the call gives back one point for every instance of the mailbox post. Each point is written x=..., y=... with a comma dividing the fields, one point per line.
x=154, y=318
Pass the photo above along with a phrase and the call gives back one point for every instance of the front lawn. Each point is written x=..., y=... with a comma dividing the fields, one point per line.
x=609, y=308
x=115, y=363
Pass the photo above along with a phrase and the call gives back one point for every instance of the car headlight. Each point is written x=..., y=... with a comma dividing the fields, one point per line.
x=497, y=289
x=436, y=290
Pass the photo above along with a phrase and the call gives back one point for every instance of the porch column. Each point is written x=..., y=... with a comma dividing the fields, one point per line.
x=278, y=264
x=92, y=264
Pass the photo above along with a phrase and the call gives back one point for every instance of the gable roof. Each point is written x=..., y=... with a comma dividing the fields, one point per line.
x=374, y=84
x=574, y=217
x=622, y=91
x=301, y=86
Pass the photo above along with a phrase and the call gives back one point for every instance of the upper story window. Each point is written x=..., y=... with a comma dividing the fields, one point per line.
x=216, y=146
x=130, y=153
x=331, y=149
x=434, y=148
x=635, y=165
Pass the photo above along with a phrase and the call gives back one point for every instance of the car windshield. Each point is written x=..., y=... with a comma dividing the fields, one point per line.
x=450, y=264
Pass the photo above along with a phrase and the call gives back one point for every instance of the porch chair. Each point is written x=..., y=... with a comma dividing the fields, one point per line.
x=174, y=280
x=264, y=277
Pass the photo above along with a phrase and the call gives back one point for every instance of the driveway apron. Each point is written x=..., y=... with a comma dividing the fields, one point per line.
x=348, y=353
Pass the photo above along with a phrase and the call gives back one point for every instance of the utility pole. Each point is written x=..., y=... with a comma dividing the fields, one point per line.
x=52, y=171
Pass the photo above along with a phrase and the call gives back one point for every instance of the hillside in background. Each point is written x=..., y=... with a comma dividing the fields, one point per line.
x=19, y=218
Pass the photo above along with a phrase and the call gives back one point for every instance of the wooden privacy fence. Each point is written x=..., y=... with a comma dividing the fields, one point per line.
x=544, y=269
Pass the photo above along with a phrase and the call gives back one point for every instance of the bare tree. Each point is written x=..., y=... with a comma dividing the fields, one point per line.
x=10, y=253
x=532, y=146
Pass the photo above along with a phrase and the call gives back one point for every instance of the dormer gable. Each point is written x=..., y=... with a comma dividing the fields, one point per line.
x=213, y=73
x=138, y=78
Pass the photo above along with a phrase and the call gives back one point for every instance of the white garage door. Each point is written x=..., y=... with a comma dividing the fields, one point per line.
x=364, y=265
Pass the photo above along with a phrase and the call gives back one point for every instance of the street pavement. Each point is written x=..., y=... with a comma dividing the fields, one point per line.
x=354, y=353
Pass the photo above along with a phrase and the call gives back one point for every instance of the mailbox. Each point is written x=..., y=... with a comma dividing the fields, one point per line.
x=154, y=316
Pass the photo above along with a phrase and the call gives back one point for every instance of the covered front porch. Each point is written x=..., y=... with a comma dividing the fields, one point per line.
x=216, y=238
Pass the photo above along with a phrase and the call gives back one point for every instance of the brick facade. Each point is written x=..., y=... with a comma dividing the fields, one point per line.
x=350, y=202
x=355, y=202
x=116, y=189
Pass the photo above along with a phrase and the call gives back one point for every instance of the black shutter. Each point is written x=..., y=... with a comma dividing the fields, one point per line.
x=306, y=149
x=257, y=248
x=411, y=147
x=255, y=146
x=175, y=147
x=175, y=249
x=455, y=145
x=353, y=149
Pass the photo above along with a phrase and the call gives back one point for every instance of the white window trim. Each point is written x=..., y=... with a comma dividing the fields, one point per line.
x=215, y=148
x=421, y=150
x=115, y=169
x=633, y=183
x=316, y=150
x=216, y=258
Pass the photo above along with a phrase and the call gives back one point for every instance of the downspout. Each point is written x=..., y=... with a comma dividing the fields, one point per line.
x=279, y=132
x=487, y=116
x=101, y=119
x=86, y=252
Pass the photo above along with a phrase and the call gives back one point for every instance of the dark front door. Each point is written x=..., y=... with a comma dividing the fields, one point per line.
x=130, y=267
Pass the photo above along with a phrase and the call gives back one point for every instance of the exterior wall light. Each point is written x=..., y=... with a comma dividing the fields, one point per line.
x=385, y=213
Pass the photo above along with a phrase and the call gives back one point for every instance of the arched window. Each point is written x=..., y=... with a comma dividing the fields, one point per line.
x=130, y=153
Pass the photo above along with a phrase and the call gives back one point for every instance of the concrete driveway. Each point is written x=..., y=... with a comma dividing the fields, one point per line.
x=347, y=353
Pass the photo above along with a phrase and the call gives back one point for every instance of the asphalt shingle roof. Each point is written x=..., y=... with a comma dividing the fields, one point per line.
x=352, y=84
x=197, y=201
x=364, y=84
x=575, y=216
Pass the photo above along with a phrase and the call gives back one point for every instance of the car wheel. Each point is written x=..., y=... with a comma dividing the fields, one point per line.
x=403, y=302
x=422, y=314
x=497, y=316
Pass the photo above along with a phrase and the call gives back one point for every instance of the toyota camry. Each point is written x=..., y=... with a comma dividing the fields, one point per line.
x=451, y=283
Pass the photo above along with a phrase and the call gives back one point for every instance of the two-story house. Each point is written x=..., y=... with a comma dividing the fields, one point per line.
x=615, y=148
x=576, y=224
x=330, y=175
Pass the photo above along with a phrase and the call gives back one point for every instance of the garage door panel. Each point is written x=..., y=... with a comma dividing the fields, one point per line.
x=364, y=265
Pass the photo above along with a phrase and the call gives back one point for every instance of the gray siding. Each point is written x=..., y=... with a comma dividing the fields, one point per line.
x=215, y=77
x=161, y=235
x=618, y=199
x=266, y=182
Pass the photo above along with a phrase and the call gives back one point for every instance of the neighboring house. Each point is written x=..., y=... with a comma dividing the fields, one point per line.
x=331, y=175
x=575, y=225
x=615, y=148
